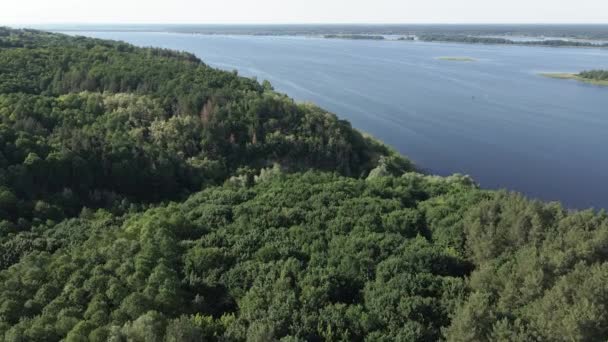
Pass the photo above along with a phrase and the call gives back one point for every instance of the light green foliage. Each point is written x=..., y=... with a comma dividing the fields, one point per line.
x=87, y=123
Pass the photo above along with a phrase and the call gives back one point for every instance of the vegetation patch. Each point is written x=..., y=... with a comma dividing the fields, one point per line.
x=457, y=59
x=581, y=77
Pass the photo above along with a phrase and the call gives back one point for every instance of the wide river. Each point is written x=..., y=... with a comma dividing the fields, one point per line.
x=495, y=118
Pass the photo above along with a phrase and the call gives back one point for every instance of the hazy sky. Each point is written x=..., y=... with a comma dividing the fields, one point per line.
x=303, y=11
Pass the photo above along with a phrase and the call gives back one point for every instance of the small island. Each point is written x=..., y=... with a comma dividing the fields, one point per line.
x=354, y=36
x=596, y=77
x=457, y=59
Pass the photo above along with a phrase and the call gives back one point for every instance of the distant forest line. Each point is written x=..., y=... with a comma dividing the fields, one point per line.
x=548, y=35
x=593, y=31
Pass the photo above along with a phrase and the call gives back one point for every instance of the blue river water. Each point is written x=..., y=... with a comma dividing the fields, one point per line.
x=495, y=118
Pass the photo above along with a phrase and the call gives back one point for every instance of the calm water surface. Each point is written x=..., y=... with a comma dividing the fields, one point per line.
x=494, y=119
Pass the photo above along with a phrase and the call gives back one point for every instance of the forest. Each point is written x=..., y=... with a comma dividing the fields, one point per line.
x=145, y=196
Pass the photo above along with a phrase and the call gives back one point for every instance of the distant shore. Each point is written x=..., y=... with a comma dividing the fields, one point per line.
x=426, y=39
x=581, y=36
x=506, y=40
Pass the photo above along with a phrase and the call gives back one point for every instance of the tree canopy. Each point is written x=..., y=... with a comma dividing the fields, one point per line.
x=597, y=75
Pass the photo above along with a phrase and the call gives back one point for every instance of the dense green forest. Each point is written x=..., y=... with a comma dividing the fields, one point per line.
x=145, y=196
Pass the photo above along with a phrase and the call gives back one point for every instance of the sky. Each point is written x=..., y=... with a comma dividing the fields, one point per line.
x=302, y=11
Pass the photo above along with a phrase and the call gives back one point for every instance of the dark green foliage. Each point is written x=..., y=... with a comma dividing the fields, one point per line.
x=318, y=256
x=286, y=224
x=597, y=75
x=286, y=257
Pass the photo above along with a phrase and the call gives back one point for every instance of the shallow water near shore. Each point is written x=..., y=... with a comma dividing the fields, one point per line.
x=495, y=119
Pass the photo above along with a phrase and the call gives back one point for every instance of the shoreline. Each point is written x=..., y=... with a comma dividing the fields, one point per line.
x=576, y=77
